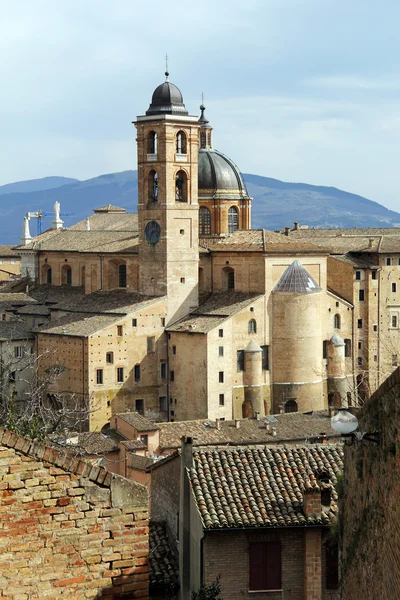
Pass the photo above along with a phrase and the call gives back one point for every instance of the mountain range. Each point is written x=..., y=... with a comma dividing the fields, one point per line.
x=276, y=203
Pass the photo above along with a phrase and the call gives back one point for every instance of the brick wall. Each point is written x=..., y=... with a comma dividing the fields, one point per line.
x=67, y=528
x=370, y=506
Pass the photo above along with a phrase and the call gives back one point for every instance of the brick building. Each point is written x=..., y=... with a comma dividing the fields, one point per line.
x=260, y=518
x=370, y=515
x=68, y=528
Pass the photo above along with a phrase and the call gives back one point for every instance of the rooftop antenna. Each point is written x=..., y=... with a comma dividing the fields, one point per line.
x=166, y=67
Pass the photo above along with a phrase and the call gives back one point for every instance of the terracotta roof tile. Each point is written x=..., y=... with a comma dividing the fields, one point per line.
x=163, y=561
x=263, y=487
x=78, y=324
x=288, y=426
x=138, y=422
x=262, y=240
x=70, y=240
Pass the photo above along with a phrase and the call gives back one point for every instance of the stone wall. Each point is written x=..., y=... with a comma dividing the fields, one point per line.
x=370, y=513
x=68, y=528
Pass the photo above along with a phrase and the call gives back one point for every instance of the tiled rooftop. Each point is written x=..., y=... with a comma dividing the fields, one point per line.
x=288, y=426
x=341, y=241
x=70, y=240
x=15, y=330
x=116, y=302
x=262, y=240
x=9, y=252
x=263, y=487
x=214, y=311
x=78, y=324
x=163, y=561
x=138, y=422
x=116, y=220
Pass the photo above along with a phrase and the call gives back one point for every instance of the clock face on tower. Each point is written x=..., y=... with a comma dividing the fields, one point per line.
x=152, y=232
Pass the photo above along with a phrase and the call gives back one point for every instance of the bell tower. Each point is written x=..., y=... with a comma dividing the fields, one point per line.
x=167, y=145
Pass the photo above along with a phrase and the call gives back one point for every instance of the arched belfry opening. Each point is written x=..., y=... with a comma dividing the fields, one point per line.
x=152, y=142
x=181, y=191
x=152, y=186
x=181, y=143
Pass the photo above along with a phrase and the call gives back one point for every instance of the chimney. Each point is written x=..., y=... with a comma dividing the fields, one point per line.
x=218, y=424
x=274, y=432
x=87, y=224
x=312, y=501
x=237, y=423
x=331, y=412
x=323, y=437
x=287, y=229
x=296, y=226
x=257, y=415
x=371, y=242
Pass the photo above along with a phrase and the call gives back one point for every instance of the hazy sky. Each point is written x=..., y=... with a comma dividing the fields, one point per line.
x=299, y=90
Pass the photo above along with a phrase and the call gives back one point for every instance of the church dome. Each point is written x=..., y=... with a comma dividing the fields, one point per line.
x=218, y=174
x=167, y=100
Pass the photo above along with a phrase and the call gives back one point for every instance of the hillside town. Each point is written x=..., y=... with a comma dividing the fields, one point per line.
x=192, y=408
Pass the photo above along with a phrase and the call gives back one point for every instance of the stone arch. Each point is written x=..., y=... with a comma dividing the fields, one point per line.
x=291, y=406
x=66, y=275
x=117, y=274
x=181, y=186
x=47, y=273
x=152, y=142
x=252, y=326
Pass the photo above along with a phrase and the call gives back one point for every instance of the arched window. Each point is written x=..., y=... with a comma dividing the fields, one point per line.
x=204, y=221
x=336, y=321
x=122, y=276
x=181, y=186
x=152, y=143
x=228, y=278
x=252, y=326
x=233, y=219
x=291, y=406
x=153, y=186
x=66, y=275
x=181, y=145
x=46, y=274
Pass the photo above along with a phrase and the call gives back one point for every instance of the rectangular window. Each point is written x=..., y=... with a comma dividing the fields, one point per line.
x=139, y=407
x=240, y=360
x=375, y=328
x=122, y=276
x=163, y=370
x=221, y=400
x=172, y=375
x=174, y=350
x=373, y=274
x=136, y=371
x=325, y=349
x=265, y=566
x=394, y=321
x=144, y=438
x=359, y=345
x=332, y=565
x=163, y=403
x=221, y=377
x=347, y=348
x=265, y=358
x=361, y=295
x=99, y=376
x=388, y=261
x=359, y=323
x=120, y=330
x=120, y=374
x=359, y=361
x=162, y=321
x=18, y=351
x=109, y=358
x=134, y=322
x=220, y=333
x=393, y=287
x=150, y=344
x=358, y=275
x=220, y=351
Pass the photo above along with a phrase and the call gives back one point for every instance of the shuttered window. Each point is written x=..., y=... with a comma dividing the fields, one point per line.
x=265, y=566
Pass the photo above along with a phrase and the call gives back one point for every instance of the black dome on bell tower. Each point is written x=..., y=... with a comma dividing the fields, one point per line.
x=167, y=100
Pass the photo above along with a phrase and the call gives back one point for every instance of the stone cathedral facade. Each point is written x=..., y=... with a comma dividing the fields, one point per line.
x=183, y=311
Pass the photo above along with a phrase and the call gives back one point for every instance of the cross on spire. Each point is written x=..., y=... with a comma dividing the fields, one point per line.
x=166, y=67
